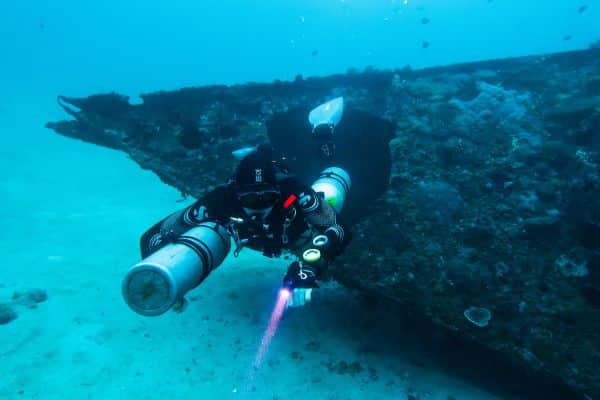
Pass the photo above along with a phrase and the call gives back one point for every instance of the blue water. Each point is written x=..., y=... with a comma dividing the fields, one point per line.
x=71, y=213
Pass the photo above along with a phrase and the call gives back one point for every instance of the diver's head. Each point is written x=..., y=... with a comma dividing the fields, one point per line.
x=256, y=184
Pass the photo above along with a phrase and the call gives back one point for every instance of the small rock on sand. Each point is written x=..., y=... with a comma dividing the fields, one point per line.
x=30, y=298
x=7, y=314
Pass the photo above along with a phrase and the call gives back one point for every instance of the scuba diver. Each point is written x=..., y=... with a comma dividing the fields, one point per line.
x=263, y=207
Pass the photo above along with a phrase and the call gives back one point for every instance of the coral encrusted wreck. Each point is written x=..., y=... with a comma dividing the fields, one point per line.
x=513, y=146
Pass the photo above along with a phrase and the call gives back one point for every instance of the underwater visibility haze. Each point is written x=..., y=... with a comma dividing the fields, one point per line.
x=335, y=199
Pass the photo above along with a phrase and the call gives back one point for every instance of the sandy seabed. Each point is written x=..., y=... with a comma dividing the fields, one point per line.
x=71, y=216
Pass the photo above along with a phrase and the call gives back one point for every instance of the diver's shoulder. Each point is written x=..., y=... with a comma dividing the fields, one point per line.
x=219, y=194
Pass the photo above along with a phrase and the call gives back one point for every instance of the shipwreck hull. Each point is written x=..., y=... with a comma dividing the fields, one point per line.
x=493, y=200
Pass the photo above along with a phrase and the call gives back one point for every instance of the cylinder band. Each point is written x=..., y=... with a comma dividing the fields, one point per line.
x=336, y=177
x=201, y=249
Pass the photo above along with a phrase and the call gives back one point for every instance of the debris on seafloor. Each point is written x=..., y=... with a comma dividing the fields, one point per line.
x=7, y=314
x=30, y=298
x=478, y=316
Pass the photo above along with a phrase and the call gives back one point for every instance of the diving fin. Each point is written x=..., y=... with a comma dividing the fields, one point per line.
x=328, y=113
x=239, y=154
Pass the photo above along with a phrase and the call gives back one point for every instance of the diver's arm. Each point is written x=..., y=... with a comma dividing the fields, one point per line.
x=168, y=229
x=330, y=241
x=173, y=226
x=323, y=218
x=301, y=276
x=178, y=253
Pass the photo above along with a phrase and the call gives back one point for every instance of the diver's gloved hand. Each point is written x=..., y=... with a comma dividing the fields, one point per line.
x=299, y=297
x=300, y=280
x=300, y=276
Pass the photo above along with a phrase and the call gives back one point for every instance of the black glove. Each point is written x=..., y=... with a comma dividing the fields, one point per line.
x=300, y=276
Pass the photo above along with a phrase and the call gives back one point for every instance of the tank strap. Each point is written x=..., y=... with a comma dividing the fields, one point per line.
x=336, y=177
x=286, y=224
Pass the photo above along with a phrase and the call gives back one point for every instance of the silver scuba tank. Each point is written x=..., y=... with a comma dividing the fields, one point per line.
x=334, y=183
x=158, y=282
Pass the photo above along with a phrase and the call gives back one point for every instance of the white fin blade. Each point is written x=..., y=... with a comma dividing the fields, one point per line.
x=329, y=113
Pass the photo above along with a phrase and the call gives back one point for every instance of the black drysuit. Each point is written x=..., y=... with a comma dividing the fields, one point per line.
x=296, y=218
